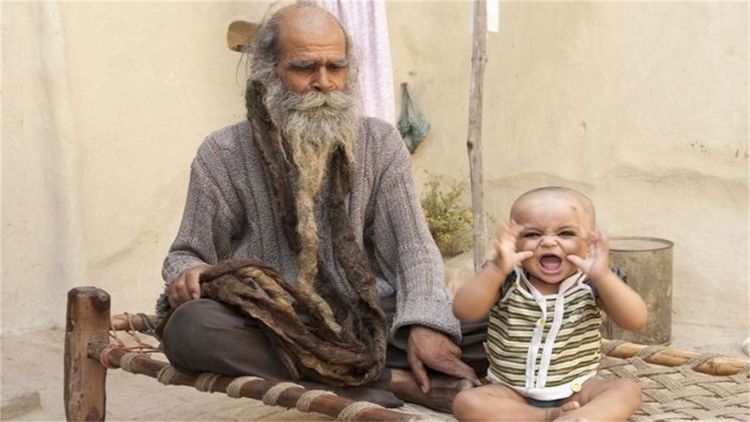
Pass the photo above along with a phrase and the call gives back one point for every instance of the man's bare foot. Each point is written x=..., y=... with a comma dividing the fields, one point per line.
x=443, y=390
x=558, y=413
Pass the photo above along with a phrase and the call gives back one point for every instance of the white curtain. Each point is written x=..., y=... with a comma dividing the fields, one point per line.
x=367, y=25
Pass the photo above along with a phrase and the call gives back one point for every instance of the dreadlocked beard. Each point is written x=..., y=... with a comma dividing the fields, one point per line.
x=313, y=125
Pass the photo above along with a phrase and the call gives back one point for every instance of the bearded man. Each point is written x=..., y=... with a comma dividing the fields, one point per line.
x=324, y=196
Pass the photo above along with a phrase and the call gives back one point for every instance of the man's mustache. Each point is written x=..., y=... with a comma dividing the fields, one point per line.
x=335, y=100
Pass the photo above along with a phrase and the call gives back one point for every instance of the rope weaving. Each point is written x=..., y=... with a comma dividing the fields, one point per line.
x=234, y=388
x=270, y=393
x=305, y=400
x=350, y=412
x=166, y=375
x=676, y=385
x=273, y=393
x=680, y=392
x=126, y=360
x=104, y=356
x=205, y=382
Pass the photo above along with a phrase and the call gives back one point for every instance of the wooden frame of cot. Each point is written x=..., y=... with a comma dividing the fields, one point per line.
x=88, y=354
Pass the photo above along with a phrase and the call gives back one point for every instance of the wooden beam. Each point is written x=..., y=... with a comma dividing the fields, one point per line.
x=87, y=321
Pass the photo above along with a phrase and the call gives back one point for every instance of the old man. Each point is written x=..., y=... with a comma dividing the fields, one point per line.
x=270, y=189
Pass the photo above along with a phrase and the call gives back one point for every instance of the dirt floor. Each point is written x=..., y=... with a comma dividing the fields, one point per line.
x=32, y=379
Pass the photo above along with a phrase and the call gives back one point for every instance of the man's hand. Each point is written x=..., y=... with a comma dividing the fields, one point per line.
x=434, y=349
x=186, y=286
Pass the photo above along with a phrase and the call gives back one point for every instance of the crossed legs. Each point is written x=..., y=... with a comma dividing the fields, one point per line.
x=598, y=400
x=206, y=336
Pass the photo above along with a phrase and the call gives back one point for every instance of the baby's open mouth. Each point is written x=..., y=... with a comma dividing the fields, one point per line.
x=550, y=262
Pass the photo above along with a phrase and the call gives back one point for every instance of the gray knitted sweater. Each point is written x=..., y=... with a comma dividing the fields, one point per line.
x=231, y=212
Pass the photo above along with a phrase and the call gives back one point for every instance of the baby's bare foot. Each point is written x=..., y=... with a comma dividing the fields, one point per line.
x=571, y=419
x=558, y=413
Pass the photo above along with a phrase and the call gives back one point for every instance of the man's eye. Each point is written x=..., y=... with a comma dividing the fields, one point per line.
x=302, y=67
x=336, y=66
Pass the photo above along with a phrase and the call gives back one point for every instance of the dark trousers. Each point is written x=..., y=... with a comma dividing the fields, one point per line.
x=206, y=336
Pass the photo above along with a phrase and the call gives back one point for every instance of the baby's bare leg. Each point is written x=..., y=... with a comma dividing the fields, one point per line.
x=605, y=400
x=495, y=402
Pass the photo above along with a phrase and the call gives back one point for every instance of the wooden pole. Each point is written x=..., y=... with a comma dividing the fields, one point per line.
x=474, y=141
x=87, y=321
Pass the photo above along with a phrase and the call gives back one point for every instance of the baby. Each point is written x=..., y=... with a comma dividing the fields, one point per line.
x=544, y=288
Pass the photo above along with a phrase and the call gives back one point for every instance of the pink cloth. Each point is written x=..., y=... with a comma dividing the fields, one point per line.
x=367, y=25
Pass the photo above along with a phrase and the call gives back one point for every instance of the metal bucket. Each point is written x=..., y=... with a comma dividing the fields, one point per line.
x=647, y=263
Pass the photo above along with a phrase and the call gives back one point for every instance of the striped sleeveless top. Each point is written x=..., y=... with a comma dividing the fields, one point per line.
x=544, y=347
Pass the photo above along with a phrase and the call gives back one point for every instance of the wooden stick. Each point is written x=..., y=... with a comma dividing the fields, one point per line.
x=720, y=365
x=328, y=404
x=474, y=141
x=84, y=382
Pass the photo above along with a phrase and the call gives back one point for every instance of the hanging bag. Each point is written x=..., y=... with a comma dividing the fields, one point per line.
x=411, y=124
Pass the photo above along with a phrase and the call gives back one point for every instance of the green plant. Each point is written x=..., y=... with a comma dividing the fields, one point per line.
x=450, y=221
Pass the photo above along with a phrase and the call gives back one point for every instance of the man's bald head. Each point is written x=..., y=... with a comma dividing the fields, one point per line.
x=301, y=17
x=307, y=17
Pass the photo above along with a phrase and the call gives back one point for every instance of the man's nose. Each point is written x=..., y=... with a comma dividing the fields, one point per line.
x=322, y=80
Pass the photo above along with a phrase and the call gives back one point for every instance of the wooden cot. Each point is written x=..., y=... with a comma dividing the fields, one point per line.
x=677, y=385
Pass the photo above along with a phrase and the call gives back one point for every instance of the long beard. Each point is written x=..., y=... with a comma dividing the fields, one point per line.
x=313, y=125
x=319, y=131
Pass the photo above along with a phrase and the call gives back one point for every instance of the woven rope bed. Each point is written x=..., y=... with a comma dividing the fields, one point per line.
x=677, y=385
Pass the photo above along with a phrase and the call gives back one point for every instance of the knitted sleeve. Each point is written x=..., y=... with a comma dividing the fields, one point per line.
x=211, y=218
x=404, y=250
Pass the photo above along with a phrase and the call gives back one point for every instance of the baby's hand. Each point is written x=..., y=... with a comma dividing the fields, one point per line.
x=596, y=263
x=506, y=256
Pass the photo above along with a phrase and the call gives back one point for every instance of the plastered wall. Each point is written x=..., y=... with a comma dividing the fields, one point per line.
x=641, y=105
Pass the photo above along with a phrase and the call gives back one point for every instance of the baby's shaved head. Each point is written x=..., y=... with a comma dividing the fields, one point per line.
x=577, y=199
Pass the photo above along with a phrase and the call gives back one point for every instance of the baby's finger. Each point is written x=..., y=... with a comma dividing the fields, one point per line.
x=603, y=241
x=511, y=231
x=579, y=262
x=524, y=255
x=515, y=228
